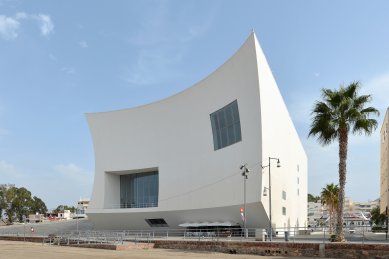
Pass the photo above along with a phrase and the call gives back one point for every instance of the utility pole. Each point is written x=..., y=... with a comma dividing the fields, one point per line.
x=245, y=172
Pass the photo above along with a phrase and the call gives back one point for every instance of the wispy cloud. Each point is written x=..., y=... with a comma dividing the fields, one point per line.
x=9, y=25
x=378, y=87
x=159, y=30
x=83, y=44
x=68, y=70
x=152, y=66
x=4, y=132
x=52, y=57
x=8, y=170
x=46, y=24
x=74, y=173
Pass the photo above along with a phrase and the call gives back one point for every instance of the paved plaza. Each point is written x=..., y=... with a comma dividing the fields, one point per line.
x=19, y=250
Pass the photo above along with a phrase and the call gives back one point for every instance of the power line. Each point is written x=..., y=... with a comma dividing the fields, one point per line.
x=208, y=185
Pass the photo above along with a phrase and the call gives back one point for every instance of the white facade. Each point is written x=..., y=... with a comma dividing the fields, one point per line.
x=198, y=185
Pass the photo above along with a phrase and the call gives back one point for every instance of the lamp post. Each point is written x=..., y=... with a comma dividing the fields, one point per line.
x=245, y=172
x=269, y=188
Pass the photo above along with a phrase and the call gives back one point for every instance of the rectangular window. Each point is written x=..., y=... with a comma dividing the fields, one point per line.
x=284, y=195
x=284, y=211
x=139, y=190
x=298, y=192
x=226, y=126
x=298, y=180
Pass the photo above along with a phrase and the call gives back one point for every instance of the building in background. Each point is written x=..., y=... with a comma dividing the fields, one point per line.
x=176, y=162
x=82, y=206
x=384, y=190
x=354, y=213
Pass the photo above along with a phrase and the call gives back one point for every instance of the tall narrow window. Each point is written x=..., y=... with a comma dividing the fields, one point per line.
x=226, y=126
x=284, y=195
x=284, y=211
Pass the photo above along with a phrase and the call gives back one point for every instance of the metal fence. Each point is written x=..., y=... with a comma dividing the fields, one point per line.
x=357, y=234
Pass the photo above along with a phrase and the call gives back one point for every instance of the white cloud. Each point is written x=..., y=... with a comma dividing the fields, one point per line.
x=47, y=25
x=83, y=44
x=8, y=27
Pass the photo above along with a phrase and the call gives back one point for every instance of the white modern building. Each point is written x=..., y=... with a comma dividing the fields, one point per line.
x=176, y=162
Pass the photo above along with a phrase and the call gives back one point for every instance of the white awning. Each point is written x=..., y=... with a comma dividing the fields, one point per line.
x=207, y=224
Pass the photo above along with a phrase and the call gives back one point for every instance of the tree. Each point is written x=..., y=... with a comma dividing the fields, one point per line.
x=3, y=204
x=17, y=203
x=61, y=208
x=312, y=198
x=38, y=206
x=377, y=218
x=341, y=112
x=329, y=197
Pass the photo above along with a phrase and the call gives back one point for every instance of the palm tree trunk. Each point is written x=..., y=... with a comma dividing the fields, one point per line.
x=343, y=142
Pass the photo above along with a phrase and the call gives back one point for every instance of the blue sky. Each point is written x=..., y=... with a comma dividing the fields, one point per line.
x=62, y=59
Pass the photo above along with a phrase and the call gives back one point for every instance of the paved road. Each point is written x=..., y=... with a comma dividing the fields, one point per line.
x=21, y=250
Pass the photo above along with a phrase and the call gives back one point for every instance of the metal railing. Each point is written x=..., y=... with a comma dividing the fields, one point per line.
x=354, y=234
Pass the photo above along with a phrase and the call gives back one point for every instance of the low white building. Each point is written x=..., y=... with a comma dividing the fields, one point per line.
x=66, y=214
x=82, y=206
x=176, y=162
x=354, y=213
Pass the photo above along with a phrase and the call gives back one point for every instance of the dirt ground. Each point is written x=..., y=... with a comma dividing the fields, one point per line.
x=18, y=250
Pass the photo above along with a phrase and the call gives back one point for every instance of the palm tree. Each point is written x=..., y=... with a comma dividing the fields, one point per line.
x=341, y=112
x=329, y=197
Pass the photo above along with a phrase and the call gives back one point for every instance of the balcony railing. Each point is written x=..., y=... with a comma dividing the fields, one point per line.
x=134, y=205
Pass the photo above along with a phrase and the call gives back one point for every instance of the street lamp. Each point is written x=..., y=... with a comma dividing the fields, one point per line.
x=265, y=194
x=245, y=172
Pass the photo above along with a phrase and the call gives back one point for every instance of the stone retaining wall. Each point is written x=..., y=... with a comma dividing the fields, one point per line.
x=328, y=250
x=22, y=238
